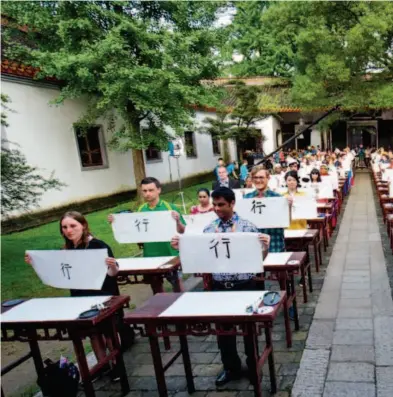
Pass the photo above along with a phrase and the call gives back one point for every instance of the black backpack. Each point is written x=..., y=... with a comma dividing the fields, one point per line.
x=59, y=382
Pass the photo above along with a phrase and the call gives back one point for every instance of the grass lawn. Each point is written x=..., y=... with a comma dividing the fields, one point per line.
x=18, y=280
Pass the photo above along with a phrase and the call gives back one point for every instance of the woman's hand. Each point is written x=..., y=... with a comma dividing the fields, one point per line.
x=264, y=239
x=290, y=200
x=175, y=242
x=113, y=267
x=111, y=218
x=28, y=259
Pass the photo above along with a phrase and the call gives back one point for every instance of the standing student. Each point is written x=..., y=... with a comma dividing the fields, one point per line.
x=231, y=169
x=230, y=222
x=77, y=236
x=225, y=181
x=260, y=178
x=151, y=190
x=204, y=203
x=243, y=172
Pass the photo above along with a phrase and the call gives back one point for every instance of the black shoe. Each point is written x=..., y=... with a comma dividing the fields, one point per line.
x=226, y=376
x=115, y=374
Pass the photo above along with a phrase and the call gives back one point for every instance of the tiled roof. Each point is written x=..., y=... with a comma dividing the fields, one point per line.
x=17, y=69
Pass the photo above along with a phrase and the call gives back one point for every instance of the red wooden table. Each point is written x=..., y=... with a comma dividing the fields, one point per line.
x=157, y=324
x=75, y=330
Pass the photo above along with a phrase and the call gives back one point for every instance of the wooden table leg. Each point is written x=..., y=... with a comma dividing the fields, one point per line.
x=176, y=284
x=187, y=362
x=157, y=285
x=158, y=368
x=303, y=276
x=250, y=340
x=316, y=256
x=292, y=289
x=82, y=364
x=309, y=278
x=272, y=370
x=36, y=354
x=287, y=320
x=125, y=387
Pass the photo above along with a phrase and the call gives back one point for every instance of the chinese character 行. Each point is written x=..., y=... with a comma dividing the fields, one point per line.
x=138, y=224
x=65, y=268
x=214, y=244
x=257, y=205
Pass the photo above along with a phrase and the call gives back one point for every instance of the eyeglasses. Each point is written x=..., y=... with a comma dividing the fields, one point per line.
x=258, y=178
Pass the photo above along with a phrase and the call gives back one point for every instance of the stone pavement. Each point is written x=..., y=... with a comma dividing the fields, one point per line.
x=349, y=349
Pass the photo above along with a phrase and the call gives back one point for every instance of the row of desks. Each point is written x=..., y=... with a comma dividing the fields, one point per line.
x=156, y=324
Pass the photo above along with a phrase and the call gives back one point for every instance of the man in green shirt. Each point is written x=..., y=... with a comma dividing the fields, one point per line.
x=151, y=190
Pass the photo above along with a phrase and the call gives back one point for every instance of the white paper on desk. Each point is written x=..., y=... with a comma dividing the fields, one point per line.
x=197, y=223
x=295, y=233
x=391, y=189
x=71, y=269
x=221, y=253
x=269, y=212
x=277, y=258
x=208, y=303
x=144, y=227
x=304, y=208
x=142, y=263
x=51, y=309
x=387, y=175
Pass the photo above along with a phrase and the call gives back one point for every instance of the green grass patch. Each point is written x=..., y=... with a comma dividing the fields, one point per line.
x=20, y=281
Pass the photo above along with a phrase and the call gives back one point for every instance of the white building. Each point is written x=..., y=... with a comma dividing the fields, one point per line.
x=47, y=136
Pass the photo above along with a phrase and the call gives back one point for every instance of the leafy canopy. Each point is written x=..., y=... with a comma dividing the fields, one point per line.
x=140, y=62
x=332, y=52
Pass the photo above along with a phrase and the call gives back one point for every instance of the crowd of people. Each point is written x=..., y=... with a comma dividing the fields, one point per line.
x=279, y=176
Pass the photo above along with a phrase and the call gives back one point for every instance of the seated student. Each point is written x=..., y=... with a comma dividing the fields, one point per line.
x=230, y=222
x=204, y=203
x=292, y=180
x=77, y=236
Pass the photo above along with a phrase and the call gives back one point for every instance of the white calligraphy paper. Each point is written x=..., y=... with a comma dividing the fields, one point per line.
x=197, y=223
x=387, y=175
x=391, y=189
x=210, y=303
x=277, y=258
x=304, y=208
x=144, y=227
x=51, y=309
x=221, y=253
x=71, y=269
x=143, y=263
x=295, y=233
x=319, y=191
x=239, y=193
x=269, y=212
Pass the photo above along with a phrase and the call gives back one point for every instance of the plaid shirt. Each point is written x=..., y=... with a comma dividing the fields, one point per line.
x=236, y=224
x=277, y=240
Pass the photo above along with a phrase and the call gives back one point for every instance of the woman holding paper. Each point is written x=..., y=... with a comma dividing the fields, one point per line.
x=77, y=236
x=292, y=181
x=204, y=203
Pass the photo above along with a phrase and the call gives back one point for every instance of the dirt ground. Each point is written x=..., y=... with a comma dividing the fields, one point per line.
x=21, y=381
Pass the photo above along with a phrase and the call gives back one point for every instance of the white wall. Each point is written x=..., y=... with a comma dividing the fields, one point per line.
x=46, y=136
x=316, y=138
x=269, y=126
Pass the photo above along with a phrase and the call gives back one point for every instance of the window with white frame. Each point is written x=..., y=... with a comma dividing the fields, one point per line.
x=91, y=147
x=190, y=145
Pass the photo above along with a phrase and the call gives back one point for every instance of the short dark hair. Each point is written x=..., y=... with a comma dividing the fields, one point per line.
x=292, y=174
x=203, y=189
x=220, y=158
x=150, y=179
x=227, y=194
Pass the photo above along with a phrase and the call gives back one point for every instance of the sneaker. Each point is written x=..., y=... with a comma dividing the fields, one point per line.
x=115, y=374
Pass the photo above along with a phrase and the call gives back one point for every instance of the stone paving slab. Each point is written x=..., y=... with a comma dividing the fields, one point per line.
x=347, y=389
x=353, y=353
x=384, y=381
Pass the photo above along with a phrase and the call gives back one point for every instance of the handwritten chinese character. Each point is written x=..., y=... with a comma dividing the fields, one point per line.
x=257, y=205
x=65, y=268
x=138, y=224
x=214, y=245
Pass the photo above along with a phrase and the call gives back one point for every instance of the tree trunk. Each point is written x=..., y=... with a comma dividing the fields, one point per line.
x=226, y=156
x=139, y=170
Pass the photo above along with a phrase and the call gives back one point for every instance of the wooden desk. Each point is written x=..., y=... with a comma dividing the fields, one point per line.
x=202, y=320
x=44, y=326
x=153, y=271
x=321, y=223
x=299, y=240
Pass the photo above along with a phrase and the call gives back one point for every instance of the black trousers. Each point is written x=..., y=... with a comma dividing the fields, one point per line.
x=227, y=343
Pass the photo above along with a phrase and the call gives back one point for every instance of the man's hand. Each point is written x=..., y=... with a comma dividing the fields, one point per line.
x=175, y=242
x=176, y=216
x=264, y=239
x=111, y=218
x=179, y=226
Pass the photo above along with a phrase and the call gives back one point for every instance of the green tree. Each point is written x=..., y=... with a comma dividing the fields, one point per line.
x=237, y=122
x=22, y=185
x=139, y=64
x=333, y=52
